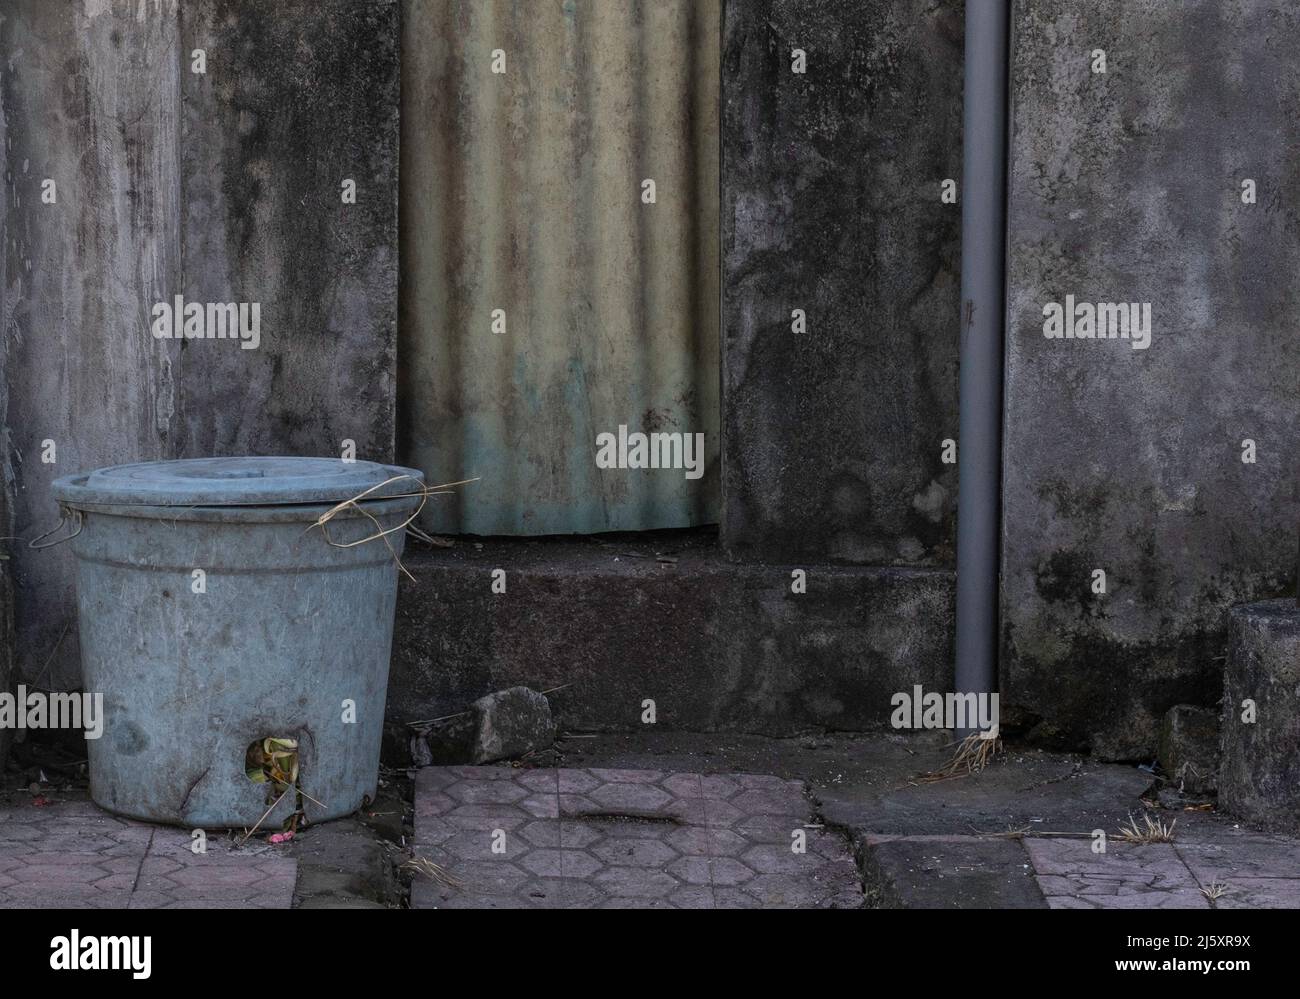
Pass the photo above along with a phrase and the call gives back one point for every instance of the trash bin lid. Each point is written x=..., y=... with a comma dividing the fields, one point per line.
x=251, y=481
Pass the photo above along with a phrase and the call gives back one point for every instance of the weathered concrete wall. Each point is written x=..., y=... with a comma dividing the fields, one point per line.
x=543, y=301
x=832, y=438
x=222, y=186
x=91, y=102
x=6, y=574
x=1127, y=187
x=716, y=645
x=299, y=96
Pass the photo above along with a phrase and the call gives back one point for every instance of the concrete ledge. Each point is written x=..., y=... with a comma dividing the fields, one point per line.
x=717, y=646
x=1259, y=775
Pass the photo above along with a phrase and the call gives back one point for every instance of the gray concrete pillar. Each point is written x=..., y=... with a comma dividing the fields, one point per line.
x=1259, y=776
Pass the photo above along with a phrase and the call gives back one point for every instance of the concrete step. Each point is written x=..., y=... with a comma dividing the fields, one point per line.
x=715, y=645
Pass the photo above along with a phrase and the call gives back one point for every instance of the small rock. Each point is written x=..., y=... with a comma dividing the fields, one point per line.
x=1189, y=748
x=509, y=724
x=420, y=755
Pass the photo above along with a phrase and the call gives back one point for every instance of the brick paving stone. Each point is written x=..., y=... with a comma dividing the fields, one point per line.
x=631, y=799
x=628, y=852
x=697, y=786
x=610, y=838
x=71, y=854
x=620, y=776
x=704, y=812
x=693, y=897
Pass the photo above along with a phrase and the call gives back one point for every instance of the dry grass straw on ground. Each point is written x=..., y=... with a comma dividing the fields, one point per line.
x=1149, y=830
x=425, y=866
x=973, y=754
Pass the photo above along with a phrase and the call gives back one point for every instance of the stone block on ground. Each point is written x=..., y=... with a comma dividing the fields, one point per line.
x=1259, y=776
x=510, y=724
x=1189, y=748
x=505, y=725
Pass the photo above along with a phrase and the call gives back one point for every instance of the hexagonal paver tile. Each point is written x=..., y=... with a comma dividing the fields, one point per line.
x=772, y=858
x=489, y=877
x=541, y=805
x=487, y=844
x=561, y=863
x=635, y=882
x=477, y=817
x=768, y=828
x=785, y=891
x=631, y=799
x=433, y=831
x=635, y=852
x=433, y=803
x=487, y=792
x=576, y=806
x=537, y=781
x=704, y=841
x=734, y=898
x=692, y=870
x=576, y=782
x=636, y=903
x=623, y=776
x=704, y=812
x=697, y=786
x=693, y=897
x=574, y=834
x=562, y=893
x=728, y=872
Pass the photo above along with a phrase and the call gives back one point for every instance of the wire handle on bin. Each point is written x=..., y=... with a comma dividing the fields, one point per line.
x=64, y=515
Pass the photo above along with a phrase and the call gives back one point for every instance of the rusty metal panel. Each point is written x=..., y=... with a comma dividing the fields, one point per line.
x=522, y=191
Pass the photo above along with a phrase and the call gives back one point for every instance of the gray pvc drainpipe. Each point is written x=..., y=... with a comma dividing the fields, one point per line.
x=983, y=246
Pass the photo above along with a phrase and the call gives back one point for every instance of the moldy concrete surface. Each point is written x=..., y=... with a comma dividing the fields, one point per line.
x=1126, y=186
x=833, y=437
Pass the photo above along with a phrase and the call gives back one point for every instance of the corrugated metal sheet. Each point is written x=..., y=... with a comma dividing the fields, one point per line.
x=522, y=191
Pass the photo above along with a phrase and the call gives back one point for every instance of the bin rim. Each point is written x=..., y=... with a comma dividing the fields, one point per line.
x=239, y=482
